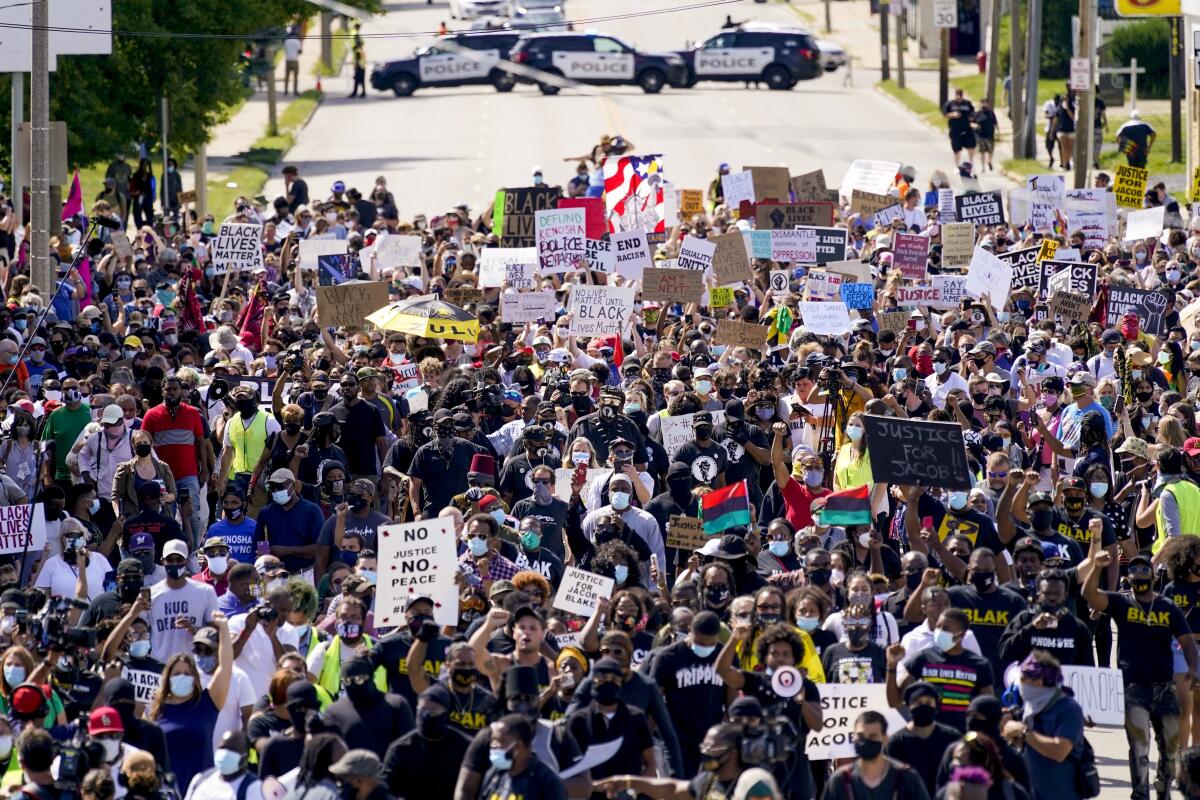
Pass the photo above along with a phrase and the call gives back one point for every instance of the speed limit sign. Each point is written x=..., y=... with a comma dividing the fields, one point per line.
x=779, y=280
x=945, y=13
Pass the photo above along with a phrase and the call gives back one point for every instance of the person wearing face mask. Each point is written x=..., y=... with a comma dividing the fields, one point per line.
x=637, y=527
x=987, y=606
x=244, y=438
x=482, y=557
x=290, y=526
x=76, y=569
x=329, y=658
x=515, y=484
x=944, y=380
x=953, y=518
x=609, y=718
x=216, y=567
x=178, y=429
x=533, y=556
x=106, y=449
x=105, y=728
x=429, y=755
x=141, y=734
x=872, y=774
x=230, y=776
x=912, y=567
x=779, y=554
x=1050, y=730
x=855, y=658
x=150, y=520
x=547, y=510
x=971, y=674
x=63, y=426
x=609, y=424
x=1028, y=561
x=440, y=468
x=178, y=605
x=355, y=517
x=708, y=458
x=366, y=716
x=515, y=769
x=234, y=527
x=1048, y=625
x=364, y=434
x=922, y=741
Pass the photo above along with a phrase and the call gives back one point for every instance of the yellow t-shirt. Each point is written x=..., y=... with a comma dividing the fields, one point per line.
x=848, y=472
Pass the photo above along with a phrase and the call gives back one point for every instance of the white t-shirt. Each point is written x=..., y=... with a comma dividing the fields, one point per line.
x=241, y=695
x=258, y=656
x=194, y=600
x=941, y=391
x=211, y=786
x=291, y=49
x=58, y=577
x=883, y=626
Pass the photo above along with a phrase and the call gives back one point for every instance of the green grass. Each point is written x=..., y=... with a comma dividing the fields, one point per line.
x=920, y=105
x=1159, y=162
x=973, y=86
x=249, y=180
x=339, y=54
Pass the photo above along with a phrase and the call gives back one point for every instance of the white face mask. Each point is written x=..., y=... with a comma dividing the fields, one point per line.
x=218, y=564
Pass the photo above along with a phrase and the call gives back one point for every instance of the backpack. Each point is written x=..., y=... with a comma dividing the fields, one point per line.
x=1087, y=779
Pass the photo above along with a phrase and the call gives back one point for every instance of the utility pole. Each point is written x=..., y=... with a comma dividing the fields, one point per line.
x=993, y=52
x=1033, y=68
x=900, y=43
x=42, y=272
x=18, y=116
x=200, y=176
x=829, y=16
x=884, y=10
x=327, y=40
x=1175, y=74
x=272, y=116
x=165, y=105
x=944, y=69
x=1016, y=80
x=1085, y=100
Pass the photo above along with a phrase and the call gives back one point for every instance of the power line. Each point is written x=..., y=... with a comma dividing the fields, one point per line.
x=394, y=35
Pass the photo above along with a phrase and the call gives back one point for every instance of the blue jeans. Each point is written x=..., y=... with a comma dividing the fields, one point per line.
x=192, y=485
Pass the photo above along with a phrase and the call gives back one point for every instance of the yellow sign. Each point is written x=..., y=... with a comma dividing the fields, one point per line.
x=1149, y=8
x=1048, y=249
x=691, y=201
x=1130, y=186
x=720, y=297
x=1194, y=194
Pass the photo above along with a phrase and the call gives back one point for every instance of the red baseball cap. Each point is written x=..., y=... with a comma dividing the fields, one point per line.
x=105, y=720
x=1192, y=446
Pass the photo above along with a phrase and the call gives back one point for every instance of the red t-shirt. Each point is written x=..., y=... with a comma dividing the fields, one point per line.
x=797, y=501
x=21, y=369
x=175, y=437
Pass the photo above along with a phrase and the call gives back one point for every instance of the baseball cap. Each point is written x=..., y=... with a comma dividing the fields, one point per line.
x=207, y=636
x=282, y=475
x=142, y=541
x=357, y=763
x=1028, y=543
x=1083, y=379
x=1192, y=446
x=1138, y=447
x=1073, y=482
x=1040, y=497
x=112, y=415
x=104, y=719
x=175, y=547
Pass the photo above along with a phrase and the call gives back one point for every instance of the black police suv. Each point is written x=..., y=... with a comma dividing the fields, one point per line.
x=778, y=56
x=461, y=59
x=595, y=59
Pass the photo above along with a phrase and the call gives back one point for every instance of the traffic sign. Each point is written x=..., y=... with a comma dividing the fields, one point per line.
x=945, y=13
x=1081, y=74
x=1149, y=8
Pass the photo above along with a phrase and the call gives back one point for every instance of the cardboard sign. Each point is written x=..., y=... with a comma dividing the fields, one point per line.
x=527, y=306
x=560, y=235
x=20, y=532
x=238, y=247
x=720, y=297
x=869, y=176
x=1026, y=271
x=737, y=333
x=347, y=304
x=632, y=253
x=514, y=213
x=462, y=295
x=1069, y=307
x=421, y=561
x=910, y=255
x=1145, y=223
x=1045, y=200
x=980, y=208
x=593, y=211
x=857, y=271
x=832, y=243
x=599, y=255
x=841, y=703
x=691, y=202
x=822, y=285
x=696, y=253
x=1130, y=186
x=685, y=533
x=991, y=276
x=1150, y=306
x=868, y=204
x=187, y=197
x=797, y=246
x=770, y=183
x=884, y=218
x=831, y=319
x=312, y=249
x=514, y=265
x=809, y=186
x=394, y=252
x=1100, y=692
x=580, y=591
x=958, y=244
x=678, y=430
x=911, y=451
x=1189, y=315
x=858, y=295
x=122, y=249
x=945, y=206
x=730, y=263
x=672, y=285
x=769, y=216
x=737, y=187
x=894, y=321
x=951, y=289
x=600, y=310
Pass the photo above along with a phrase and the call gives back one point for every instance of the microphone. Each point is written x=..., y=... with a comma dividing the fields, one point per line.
x=106, y=222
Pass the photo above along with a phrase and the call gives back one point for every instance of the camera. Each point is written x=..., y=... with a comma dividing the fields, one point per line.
x=769, y=743
x=266, y=613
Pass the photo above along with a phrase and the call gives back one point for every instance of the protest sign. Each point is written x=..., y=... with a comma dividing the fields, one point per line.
x=797, y=246
x=911, y=451
x=854, y=270
x=1026, y=271
x=720, y=297
x=312, y=249
x=1189, y=315
x=958, y=244
x=685, y=533
x=420, y=561
x=1080, y=278
x=408, y=377
x=759, y=243
x=672, y=285
x=822, y=285
x=560, y=239
x=600, y=310
x=238, y=247
x=695, y=253
x=950, y=289
x=1070, y=307
x=858, y=295
x=632, y=253
x=810, y=186
x=1129, y=188
x=736, y=333
x=527, y=306
x=145, y=682
x=599, y=255
x=780, y=280
x=831, y=243
x=831, y=319
x=1146, y=223
x=770, y=183
x=393, y=252
x=1150, y=307
x=910, y=255
x=677, y=431
x=515, y=265
x=335, y=268
x=1047, y=250
x=980, y=208
x=593, y=213
x=350, y=302
x=691, y=201
x=989, y=275
x=768, y=216
x=514, y=213
x=737, y=186
x=884, y=218
x=867, y=204
x=564, y=475
x=18, y=534
x=730, y=263
x=1100, y=692
x=1045, y=200
x=920, y=295
x=841, y=705
x=580, y=591
x=869, y=176
x=122, y=249
x=462, y=295
x=946, y=210
x=894, y=321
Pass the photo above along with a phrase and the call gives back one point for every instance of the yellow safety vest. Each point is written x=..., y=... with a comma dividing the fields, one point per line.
x=1187, y=499
x=330, y=678
x=247, y=443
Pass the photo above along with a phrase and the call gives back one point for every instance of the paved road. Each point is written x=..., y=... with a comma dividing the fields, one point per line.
x=445, y=146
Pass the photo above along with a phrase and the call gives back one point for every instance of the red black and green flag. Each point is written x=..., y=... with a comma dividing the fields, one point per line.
x=847, y=507
x=725, y=508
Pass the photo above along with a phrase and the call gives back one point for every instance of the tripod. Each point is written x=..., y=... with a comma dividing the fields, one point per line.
x=831, y=422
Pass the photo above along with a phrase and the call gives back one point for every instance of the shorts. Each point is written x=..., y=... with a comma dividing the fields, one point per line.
x=1180, y=663
x=964, y=140
x=986, y=145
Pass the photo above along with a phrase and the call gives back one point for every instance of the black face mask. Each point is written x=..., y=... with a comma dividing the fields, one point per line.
x=292, y=428
x=819, y=577
x=680, y=488
x=582, y=405
x=607, y=694
x=247, y=406
x=464, y=677
x=923, y=715
x=867, y=749
x=724, y=392
x=912, y=580
x=1041, y=519
x=1140, y=586
x=142, y=450
x=432, y=726
x=360, y=694
x=175, y=571
x=127, y=590
x=703, y=432
x=983, y=581
x=716, y=596
x=320, y=394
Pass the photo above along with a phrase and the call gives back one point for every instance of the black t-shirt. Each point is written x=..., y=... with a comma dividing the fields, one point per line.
x=106, y=605
x=541, y=561
x=901, y=783
x=514, y=476
x=707, y=786
x=823, y=640
x=843, y=665
x=536, y=782
x=373, y=725
x=1186, y=595
x=759, y=685
x=566, y=750
x=280, y=756
x=990, y=614
x=160, y=527
x=922, y=754
x=391, y=653
x=442, y=477
x=362, y=424
x=600, y=433
x=891, y=561
x=264, y=725
x=960, y=679
x=551, y=516
x=1145, y=632
x=979, y=529
x=961, y=123
x=590, y=726
x=413, y=760
x=1077, y=529
x=742, y=465
x=1069, y=640
x=706, y=461
x=690, y=682
x=985, y=122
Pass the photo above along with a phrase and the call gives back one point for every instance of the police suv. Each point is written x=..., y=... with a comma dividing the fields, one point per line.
x=595, y=59
x=462, y=59
x=778, y=56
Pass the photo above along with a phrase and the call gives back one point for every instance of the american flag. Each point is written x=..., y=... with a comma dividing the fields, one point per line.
x=633, y=194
